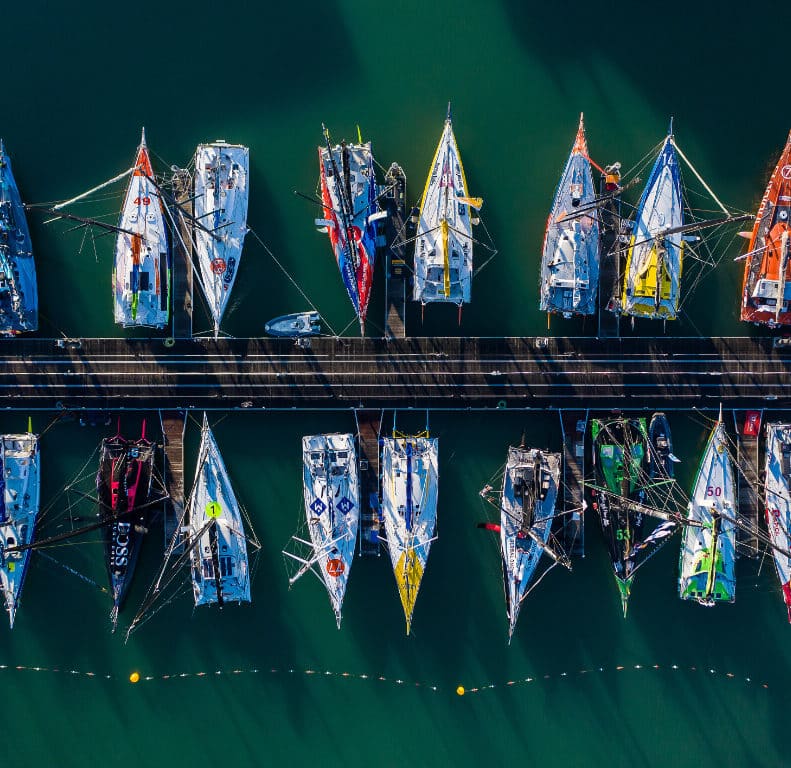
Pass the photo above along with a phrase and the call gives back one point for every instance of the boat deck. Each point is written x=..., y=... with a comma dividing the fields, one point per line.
x=173, y=424
x=573, y=426
x=181, y=300
x=747, y=489
x=609, y=268
x=369, y=427
x=445, y=372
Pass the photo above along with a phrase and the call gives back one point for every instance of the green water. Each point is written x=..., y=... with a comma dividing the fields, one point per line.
x=79, y=85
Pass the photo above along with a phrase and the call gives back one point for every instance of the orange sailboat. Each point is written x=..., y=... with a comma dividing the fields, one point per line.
x=766, y=296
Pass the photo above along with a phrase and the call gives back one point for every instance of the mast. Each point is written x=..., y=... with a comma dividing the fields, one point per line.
x=444, y=221
x=781, y=277
x=215, y=562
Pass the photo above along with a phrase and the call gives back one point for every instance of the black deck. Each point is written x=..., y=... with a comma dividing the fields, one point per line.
x=458, y=373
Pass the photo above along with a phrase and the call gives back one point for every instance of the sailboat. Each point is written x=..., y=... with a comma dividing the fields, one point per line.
x=655, y=255
x=570, y=258
x=18, y=290
x=527, y=511
x=220, y=205
x=123, y=485
x=141, y=272
x=777, y=499
x=332, y=509
x=348, y=198
x=410, y=482
x=443, y=241
x=708, y=543
x=766, y=292
x=622, y=499
x=217, y=543
x=19, y=506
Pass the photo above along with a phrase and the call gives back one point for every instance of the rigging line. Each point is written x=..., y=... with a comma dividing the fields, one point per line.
x=291, y=279
x=73, y=571
x=700, y=178
x=95, y=189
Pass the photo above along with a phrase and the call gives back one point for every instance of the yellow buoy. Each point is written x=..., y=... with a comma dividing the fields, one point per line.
x=134, y=677
x=460, y=690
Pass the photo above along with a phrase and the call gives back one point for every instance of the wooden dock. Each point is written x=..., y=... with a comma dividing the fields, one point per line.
x=573, y=425
x=397, y=272
x=610, y=264
x=444, y=372
x=747, y=479
x=369, y=428
x=173, y=424
x=181, y=299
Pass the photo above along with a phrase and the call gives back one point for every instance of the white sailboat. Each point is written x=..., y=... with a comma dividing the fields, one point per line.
x=141, y=272
x=708, y=543
x=410, y=481
x=19, y=506
x=217, y=541
x=220, y=205
x=527, y=510
x=332, y=510
x=777, y=491
x=443, y=242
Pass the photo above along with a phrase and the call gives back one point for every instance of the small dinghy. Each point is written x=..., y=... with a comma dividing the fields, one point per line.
x=660, y=455
x=141, y=273
x=18, y=290
x=220, y=201
x=19, y=506
x=295, y=325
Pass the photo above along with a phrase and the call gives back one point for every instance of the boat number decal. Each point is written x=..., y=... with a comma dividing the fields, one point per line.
x=714, y=491
x=231, y=267
x=218, y=266
x=335, y=567
x=318, y=506
x=345, y=505
x=785, y=172
x=213, y=509
x=622, y=534
x=145, y=200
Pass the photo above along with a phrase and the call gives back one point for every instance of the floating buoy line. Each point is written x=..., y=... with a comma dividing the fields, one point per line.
x=136, y=677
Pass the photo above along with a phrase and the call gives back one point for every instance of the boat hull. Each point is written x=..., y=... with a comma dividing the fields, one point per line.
x=18, y=288
x=220, y=205
x=332, y=509
x=409, y=509
x=348, y=183
x=570, y=257
x=527, y=511
x=708, y=548
x=766, y=289
x=124, y=482
x=654, y=261
x=443, y=241
x=295, y=325
x=141, y=272
x=19, y=508
x=777, y=498
x=219, y=564
x=619, y=457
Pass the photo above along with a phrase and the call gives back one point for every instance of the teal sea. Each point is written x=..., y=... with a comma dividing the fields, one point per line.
x=674, y=684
